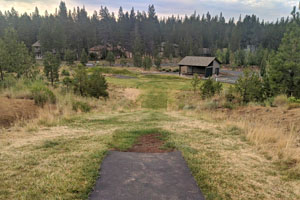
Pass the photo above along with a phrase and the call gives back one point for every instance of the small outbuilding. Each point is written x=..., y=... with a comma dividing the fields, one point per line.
x=37, y=50
x=206, y=66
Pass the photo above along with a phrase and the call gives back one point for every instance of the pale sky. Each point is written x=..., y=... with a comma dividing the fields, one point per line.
x=268, y=10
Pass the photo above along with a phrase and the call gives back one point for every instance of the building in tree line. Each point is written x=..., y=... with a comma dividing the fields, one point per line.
x=206, y=66
x=37, y=50
x=173, y=49
x=101, y=51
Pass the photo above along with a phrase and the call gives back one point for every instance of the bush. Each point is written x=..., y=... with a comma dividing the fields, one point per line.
x=94, y=85
x=97, y=85
x=82, y=106
x=42, y=95
x=67, y=81
x=9, y=81
x=251, y=87
x=293, y=103
x=280, y=100
x=209, y=88
x=293, y=100
x=65, y=73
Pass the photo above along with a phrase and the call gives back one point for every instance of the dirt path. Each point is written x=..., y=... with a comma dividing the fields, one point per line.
x=139, y=176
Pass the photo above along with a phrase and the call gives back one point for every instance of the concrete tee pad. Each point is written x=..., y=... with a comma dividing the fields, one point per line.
x=145, y=176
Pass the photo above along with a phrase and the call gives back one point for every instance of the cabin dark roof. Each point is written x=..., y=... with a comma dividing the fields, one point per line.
x=36, y=44
x=197, y=61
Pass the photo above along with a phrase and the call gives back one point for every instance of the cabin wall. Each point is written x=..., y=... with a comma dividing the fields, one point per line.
x=215, y=66
x=198, y=70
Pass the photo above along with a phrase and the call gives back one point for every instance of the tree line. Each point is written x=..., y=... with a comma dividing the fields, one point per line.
x=142, y=32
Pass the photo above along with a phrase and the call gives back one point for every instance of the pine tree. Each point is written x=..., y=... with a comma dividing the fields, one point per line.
x=51, y=67
x=84, y=57
x=110, y=58
x=70, y=57
x=157, y=61
x=147, y=63
x=137, y=60
x=81, y=81
x=14, y=55
x=284, y=66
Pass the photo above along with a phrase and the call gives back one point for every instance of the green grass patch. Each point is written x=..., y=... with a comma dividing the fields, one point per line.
x=124, y=140
x=111, y=70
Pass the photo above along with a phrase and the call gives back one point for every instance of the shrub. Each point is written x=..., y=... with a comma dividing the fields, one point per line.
x=94, y=85
x=293, y=103
x=251, y=87
x=82, y=106
x=42, y=95
x=97, y=85
x=67, y=81
x=209, y=88
x=9, y=81
x=195, y=82
x=65, y=73
x=280, y=100
x=293, y=100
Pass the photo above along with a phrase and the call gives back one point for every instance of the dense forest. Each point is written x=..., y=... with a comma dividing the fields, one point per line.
x=142, y=32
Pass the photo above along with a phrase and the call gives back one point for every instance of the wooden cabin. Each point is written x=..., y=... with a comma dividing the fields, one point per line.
x=37, y=50
x=206, y=66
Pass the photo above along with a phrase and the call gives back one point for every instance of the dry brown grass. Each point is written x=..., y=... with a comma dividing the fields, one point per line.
x=225, y=164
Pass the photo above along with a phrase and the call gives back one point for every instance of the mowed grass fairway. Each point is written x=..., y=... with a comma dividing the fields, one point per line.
x=62, y=161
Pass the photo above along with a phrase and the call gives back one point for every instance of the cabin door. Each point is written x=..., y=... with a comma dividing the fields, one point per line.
x=208, y=72
x=217, y=71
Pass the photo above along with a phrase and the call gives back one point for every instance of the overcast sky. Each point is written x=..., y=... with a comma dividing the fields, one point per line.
x=268, y=10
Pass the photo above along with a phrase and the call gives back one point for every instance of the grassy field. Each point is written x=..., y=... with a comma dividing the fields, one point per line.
x=61, y=160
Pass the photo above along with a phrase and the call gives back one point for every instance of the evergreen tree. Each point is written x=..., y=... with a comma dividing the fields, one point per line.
x=70, y=57
x=80, y=81
x=284, y=66
x=3, y=54
x=14, y=55
x=110, y=58
x=137, y=60
x=51, y=67
x=157, y=61
x=97, y=86
x=84, y=57
x=147, y=63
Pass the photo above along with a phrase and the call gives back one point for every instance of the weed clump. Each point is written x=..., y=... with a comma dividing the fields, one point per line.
x=42, y=95
x=82, y=106
x=280, y=100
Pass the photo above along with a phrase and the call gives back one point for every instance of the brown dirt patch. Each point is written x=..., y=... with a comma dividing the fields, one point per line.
x=149, y=144
x=12, y=110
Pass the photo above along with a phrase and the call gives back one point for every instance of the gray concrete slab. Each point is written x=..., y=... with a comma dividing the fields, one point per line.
x=145, y=176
